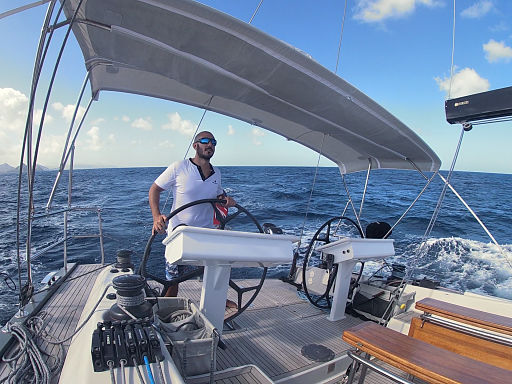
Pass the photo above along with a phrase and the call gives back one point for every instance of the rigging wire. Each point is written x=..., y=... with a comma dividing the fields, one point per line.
x=311, y=192
x=341, y=36
x=453, y=52
x=190, y=144
x=422, y=249
x=500, y=248
x=204, y=113
x=256, y=11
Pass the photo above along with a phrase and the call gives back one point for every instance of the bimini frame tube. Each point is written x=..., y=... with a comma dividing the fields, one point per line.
x=65, y=152
x=23, y=8
x=31, y=163
x=365, y=186
x=27, y=138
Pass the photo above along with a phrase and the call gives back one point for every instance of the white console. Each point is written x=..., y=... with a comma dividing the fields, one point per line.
x=347, y=252
x=218, y=251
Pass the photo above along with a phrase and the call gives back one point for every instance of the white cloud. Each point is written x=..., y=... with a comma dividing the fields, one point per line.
x=256, y=134
x=67, y=111
x=13, y=115
x=465, y=82
x=477, y=10
x=496, y=51
x=51, y=145
x=98, y=121
x=231, y=130
x=144, y=124
x=93, y=141
x=176, y=123
x=379, y=10
x=13, y=110
x=126, y=119
x=166, y=144
x=37, y=117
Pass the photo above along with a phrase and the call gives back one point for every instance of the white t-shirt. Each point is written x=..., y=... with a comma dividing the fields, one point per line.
x=188, y=184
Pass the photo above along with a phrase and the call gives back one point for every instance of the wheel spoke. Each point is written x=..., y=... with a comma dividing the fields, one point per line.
x=320, y=237
x=223, y=221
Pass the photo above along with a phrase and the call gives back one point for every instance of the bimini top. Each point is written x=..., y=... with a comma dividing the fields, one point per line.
x=183, y=51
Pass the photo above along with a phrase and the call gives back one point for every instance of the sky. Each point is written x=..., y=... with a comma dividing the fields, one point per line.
x=398, y=52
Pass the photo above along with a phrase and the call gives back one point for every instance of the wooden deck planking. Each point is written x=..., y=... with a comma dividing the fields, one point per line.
x=269, y=334
x=272, y=331
x=64, y=309
x=67, y=308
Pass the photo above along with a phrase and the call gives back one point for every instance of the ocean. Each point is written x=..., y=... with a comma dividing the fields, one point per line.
x=459, y=253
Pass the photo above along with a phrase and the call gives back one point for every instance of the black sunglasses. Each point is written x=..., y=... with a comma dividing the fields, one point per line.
x=206, y=140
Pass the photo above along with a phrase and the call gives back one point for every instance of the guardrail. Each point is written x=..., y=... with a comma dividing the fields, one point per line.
x=66, y=236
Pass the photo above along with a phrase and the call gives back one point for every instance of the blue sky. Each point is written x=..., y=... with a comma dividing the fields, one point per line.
x=398, y=52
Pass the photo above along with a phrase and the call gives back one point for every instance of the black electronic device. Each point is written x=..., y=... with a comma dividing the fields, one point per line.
x=119, y=342
x=131, y=343
x=108, y=345
x=143, y=342
x=97, y=350
x=479, y=106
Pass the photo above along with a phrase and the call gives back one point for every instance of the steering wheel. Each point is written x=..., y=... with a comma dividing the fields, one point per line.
x=321, y=238
x=240, y=291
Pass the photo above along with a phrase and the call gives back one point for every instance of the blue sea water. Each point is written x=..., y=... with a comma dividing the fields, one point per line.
x=459, y=252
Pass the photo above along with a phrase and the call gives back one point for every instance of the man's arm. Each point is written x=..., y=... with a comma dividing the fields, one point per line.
x=159, y=224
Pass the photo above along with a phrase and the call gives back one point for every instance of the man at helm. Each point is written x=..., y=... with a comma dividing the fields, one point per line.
x=190, y=180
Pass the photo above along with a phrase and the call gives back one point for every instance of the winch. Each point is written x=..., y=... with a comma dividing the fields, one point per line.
x=130, y=299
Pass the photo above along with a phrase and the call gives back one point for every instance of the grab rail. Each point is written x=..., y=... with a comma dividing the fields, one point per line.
x=66, y=237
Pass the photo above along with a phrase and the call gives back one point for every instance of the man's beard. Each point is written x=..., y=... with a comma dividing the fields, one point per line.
x=203, y=155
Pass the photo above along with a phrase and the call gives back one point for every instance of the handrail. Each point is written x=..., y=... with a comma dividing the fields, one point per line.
x=65, y=238
x=77, y=208
x=473, y=317
x=375, y=367
x=472, y=331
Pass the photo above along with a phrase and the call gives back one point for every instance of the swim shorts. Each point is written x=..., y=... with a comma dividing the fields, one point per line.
x=173, y=271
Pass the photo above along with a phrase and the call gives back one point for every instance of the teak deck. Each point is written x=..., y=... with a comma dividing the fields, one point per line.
x=269, y=334
x=64, y=308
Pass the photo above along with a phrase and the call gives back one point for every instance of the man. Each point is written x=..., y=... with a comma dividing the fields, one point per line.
x=190, y=180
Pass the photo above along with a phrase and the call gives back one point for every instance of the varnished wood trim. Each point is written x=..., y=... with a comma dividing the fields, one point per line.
x=490, y=321
x=420, y=359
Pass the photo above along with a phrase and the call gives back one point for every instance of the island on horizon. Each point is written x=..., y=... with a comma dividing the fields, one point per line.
x=6, y=168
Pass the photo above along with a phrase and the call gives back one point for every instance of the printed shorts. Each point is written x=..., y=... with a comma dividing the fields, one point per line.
x=173, y=271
